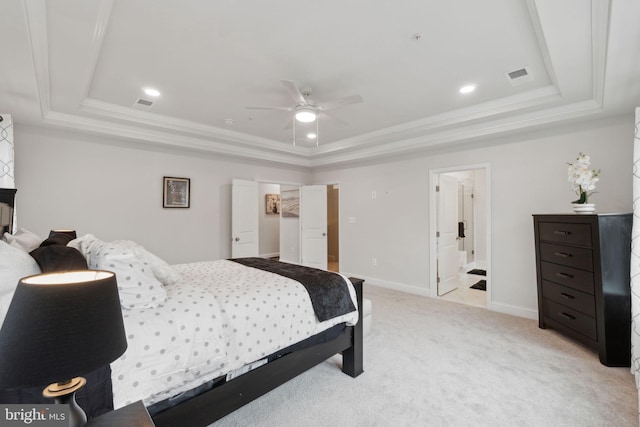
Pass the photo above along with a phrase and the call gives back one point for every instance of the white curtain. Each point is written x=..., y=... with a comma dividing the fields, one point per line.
x=635, y=257
x=7, y=176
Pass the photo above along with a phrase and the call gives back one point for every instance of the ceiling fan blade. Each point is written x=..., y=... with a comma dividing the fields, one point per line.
x=288, y=109
x=328, y=105
x=336, y=120
x=294, y=92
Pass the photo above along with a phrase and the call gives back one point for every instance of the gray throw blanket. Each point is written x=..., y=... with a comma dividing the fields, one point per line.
x=328, y=291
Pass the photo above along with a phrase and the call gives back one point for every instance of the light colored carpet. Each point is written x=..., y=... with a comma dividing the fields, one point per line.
x=437, y=363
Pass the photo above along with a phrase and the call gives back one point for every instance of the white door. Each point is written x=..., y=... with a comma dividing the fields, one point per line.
x=244, y=218
x=447, y=233
x=313, y=226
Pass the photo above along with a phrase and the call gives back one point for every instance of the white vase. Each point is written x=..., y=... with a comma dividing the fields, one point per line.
x=584, y=207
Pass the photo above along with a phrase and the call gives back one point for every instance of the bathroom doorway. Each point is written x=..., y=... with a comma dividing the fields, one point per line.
x=460, y=230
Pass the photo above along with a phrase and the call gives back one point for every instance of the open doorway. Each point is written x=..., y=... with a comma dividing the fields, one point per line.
x=333, y=227
x=459, y=231
x=269, y=208
x=279, y=229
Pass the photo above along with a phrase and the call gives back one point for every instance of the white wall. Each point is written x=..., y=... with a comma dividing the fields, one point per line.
x=113, y=189
x=480, y=216
x=527, y=176
x=268, y=224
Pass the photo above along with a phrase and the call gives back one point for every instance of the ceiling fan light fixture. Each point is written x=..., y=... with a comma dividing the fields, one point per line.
x=305, y=115
x=311, y=135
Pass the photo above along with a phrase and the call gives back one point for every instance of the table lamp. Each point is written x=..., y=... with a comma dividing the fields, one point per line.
x=60, y=326
x=69, y=232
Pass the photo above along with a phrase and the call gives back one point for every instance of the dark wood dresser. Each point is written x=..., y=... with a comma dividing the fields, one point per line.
x=584, y=284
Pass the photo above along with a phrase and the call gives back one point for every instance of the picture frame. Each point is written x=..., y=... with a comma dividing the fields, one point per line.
x=290, y=204
x=176, y=192
x=272, y=204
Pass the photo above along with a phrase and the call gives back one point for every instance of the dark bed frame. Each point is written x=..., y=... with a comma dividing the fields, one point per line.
x=214, y=404
x=221, y=400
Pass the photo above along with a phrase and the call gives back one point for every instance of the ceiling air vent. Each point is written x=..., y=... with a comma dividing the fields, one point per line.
x=517, y=77
x=143, y=104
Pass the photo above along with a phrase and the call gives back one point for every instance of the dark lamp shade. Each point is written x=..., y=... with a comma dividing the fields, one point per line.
x=59, y=326
x=69, y=232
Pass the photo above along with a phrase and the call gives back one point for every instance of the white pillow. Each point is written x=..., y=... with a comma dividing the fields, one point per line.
x=137, y=285
x=23, y=239
x=84, y=243
x=166, y=274
x=14, y=265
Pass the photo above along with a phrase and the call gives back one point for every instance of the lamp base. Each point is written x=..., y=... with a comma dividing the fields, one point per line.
x=64, y=393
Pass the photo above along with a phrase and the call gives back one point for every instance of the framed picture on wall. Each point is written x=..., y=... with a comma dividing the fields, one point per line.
x=176, y=192
x=272, y=204
x=291, y=203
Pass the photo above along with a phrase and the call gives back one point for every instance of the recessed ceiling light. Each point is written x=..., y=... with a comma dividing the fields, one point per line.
x=228, y=122
x=467, y=89
x=311, y=135
x=152, y=92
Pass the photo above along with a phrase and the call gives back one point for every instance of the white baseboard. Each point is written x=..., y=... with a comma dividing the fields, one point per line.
x=513, y=310
x=410, y=289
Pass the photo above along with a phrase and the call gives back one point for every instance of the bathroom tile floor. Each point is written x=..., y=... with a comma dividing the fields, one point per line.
x=464, y=294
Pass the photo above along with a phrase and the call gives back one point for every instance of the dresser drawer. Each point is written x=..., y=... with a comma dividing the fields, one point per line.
x=560, y=232
x=573, y=319
x=571, y=298
x=572, y=277
x=567, y=255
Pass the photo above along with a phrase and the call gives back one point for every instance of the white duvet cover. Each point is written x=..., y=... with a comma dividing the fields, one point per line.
x=219, y=317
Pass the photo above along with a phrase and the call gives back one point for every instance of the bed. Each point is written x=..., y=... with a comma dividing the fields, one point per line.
x=284, y=364
x=213, y=336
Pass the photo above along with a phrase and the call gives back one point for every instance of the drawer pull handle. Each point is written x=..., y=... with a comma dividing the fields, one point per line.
x=567, y=296
x=561, y=233
x=562, y=254
x=567, y=316
x=565, y=275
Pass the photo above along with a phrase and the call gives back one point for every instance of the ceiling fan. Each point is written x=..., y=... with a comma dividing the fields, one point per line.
x=307, y=112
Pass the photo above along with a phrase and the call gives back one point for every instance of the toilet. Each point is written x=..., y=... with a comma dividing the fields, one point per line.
x=462, y=259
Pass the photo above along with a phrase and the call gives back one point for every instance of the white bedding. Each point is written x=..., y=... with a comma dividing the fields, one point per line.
x=219, y=317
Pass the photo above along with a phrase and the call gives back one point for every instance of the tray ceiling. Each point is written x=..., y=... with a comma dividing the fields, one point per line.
x=83, y=64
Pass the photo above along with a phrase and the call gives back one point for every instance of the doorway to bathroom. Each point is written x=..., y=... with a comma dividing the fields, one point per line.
x=459, y=235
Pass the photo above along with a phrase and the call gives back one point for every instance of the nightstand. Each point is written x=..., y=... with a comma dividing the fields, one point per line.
x=134, y=415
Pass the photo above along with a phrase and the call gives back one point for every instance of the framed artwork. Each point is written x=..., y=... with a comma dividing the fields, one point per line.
x=273, y=204
x=291, y=203
x=176, y=192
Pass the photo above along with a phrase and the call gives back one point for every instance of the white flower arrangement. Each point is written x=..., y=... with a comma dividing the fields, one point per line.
x=582, y=179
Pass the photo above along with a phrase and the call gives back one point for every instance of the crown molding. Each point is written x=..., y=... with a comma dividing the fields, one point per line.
x=600, y=19
x=462, y=125
x=174, y=125
x=36, y=16
x=432, y=141
x=151, y=136
x=102, y=22
x=545, y=95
